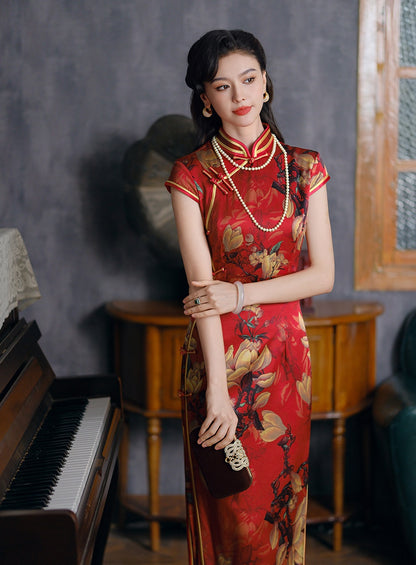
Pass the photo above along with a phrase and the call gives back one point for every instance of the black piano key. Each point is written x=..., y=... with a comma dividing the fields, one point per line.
x=39, y=470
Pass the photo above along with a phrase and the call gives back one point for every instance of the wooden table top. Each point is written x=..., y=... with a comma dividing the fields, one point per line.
x=169, y=313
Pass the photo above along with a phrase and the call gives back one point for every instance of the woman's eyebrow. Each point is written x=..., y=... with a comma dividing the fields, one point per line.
x=241, y=74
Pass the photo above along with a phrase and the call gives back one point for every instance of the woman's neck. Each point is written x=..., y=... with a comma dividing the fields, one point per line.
x=247, y=135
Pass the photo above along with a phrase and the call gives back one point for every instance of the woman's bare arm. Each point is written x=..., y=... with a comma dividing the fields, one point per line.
x=221, y=421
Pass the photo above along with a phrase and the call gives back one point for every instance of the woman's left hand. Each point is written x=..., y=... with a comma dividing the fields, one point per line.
x=210, y=299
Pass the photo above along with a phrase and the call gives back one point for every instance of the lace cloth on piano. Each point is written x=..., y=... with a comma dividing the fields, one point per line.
x=18, y=285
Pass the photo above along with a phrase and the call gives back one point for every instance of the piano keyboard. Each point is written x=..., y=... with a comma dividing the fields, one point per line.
x=55, y=470
x=74, y=475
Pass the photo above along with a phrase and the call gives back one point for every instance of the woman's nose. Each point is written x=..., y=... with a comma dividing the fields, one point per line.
x=238, y=94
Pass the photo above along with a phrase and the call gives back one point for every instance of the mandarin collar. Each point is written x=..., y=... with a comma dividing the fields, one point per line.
x=236, y=149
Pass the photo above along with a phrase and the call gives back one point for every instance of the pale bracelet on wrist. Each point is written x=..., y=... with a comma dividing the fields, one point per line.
x=240, y=297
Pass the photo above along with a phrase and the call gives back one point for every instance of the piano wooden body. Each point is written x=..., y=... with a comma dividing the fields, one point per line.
x=63, y=532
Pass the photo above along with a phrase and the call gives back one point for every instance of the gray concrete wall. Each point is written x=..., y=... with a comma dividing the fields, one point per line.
x=81, y=80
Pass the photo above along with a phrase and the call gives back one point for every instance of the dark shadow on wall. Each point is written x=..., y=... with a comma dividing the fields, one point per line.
x=105, y=226
x=119, y=247
x=124, y=254
x=97, y=327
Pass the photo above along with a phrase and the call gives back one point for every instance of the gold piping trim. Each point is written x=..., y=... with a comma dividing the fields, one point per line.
x=211, y=205
x=264, y=147
x=188, y=446
x=183, y=189
x=319, y=185
x=262, y=144
x=230, y=143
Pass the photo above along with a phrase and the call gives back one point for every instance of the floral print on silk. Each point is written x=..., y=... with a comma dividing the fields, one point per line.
x=266, y=350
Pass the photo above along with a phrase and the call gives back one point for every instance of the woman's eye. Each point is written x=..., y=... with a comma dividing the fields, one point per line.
x=250, y=79
x=222, y=87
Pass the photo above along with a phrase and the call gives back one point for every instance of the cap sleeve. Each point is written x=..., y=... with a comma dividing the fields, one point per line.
x=319, y=175
x=181, y=179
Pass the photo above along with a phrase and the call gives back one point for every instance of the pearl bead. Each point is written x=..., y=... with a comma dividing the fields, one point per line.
x=220, y=152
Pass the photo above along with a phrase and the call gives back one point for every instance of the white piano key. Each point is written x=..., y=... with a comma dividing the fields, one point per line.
x=68, y=491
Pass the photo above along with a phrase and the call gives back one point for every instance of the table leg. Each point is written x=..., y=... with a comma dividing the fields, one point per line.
x=153, y=460
x=338, y=454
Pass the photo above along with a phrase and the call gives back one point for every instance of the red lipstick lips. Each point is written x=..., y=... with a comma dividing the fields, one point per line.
x=242, y=111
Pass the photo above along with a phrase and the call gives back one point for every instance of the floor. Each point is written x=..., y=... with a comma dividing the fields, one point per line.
x=361, y=547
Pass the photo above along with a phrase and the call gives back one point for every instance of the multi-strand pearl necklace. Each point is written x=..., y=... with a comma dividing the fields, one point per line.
x=220, y=152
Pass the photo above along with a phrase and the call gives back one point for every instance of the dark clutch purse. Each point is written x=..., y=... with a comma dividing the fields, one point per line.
x=226, y=471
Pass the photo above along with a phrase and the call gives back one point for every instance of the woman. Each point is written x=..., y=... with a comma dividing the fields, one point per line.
x=243, y=202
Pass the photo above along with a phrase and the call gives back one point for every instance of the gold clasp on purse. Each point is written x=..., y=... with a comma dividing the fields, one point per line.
x=235, y=455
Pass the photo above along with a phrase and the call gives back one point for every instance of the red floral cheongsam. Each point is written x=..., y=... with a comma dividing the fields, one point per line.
x=266, y=350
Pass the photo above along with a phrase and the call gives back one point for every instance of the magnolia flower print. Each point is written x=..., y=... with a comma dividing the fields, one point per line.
x=271, y=264
x=232, y=238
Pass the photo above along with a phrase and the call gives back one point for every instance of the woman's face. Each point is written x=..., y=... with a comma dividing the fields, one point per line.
x=236, y=91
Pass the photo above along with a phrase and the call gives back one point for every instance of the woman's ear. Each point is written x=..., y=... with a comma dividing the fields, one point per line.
x=264, y=79
x=205, y=99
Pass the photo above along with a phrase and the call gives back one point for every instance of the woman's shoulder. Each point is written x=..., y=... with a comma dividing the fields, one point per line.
x=302, y=155
x=187, y=171
x=309, y=165
x=200, y=157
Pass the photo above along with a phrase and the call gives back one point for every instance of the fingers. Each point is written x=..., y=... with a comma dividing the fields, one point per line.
x=194, y=300
x=218, y=435
x=210, y=299
x=198, y=307
x=220, y=439
x=229, y=437
x=201, y=310
x=200, y=304
x=204, y=285
x=197, y=313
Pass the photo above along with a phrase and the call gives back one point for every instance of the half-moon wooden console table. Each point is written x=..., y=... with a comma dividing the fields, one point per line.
x=148, y=337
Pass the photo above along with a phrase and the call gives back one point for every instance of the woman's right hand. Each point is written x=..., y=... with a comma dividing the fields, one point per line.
x=214, y=298
x=220, y=424
x=221, y=421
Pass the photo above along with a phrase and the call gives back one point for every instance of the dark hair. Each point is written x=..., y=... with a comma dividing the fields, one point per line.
x=203, y=58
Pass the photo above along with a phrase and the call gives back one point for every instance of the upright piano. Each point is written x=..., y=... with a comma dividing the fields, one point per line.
x=59, y=440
